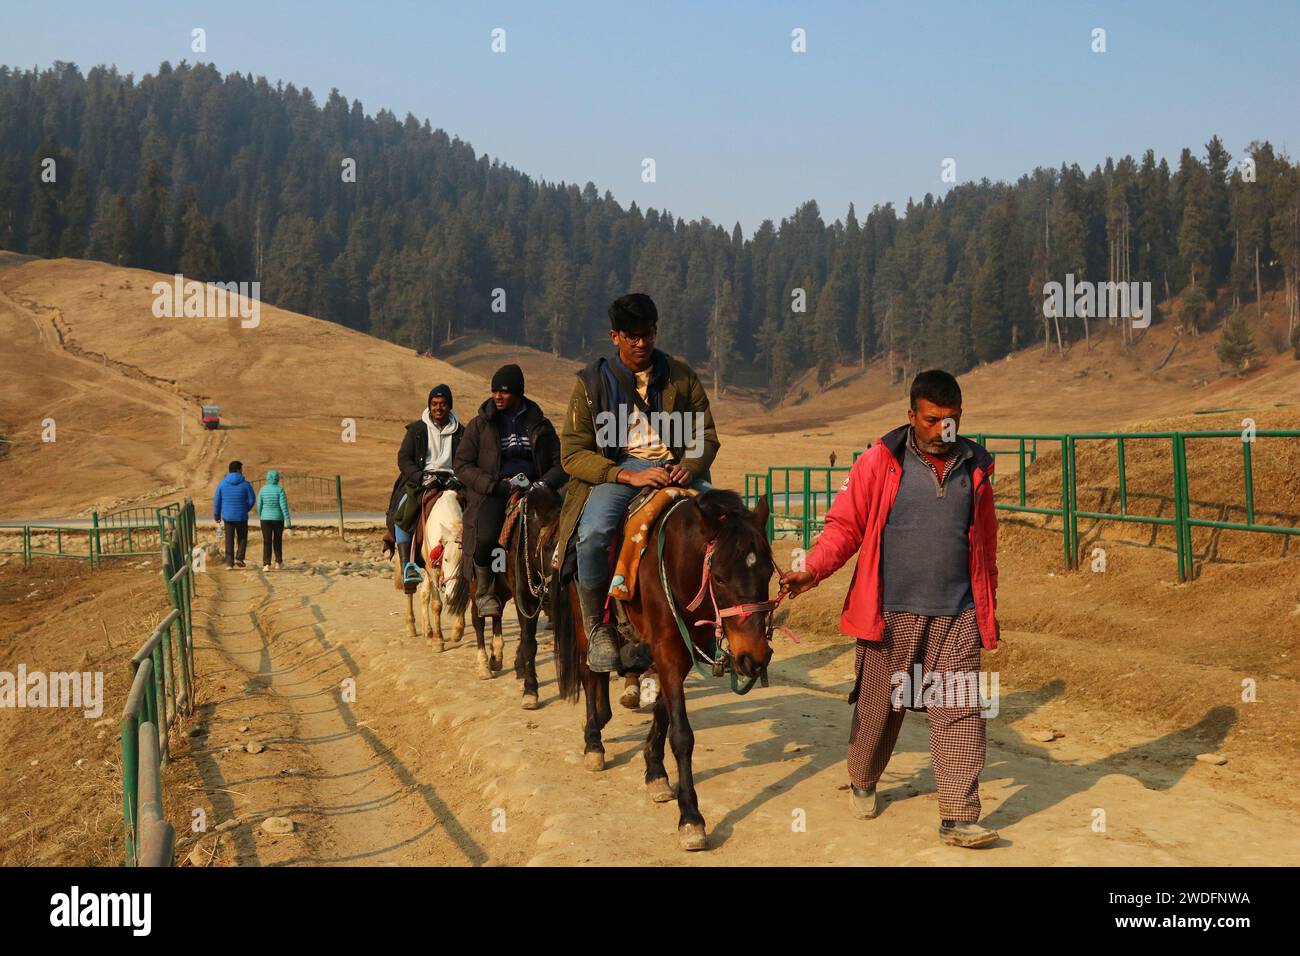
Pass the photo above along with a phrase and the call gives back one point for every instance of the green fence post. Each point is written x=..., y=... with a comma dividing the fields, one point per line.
x=1250, y=482
x=1178, y=450
x=1070, y=503
x=130, y=779
x=1123, y=480
x=807, y=505
x=96, y=552
x=771, y=507
x=1187, y=510
x=1023, y=467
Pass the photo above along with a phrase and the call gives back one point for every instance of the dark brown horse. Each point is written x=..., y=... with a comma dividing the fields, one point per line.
x=715, y=525
x=527, y=581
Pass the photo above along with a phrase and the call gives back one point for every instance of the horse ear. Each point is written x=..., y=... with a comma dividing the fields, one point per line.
x=710, y=521
x=760, y=514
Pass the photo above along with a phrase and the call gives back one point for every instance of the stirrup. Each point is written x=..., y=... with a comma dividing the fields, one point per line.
x=411, y=573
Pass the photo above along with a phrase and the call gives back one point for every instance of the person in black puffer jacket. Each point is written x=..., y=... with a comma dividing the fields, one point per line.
x=509, y=438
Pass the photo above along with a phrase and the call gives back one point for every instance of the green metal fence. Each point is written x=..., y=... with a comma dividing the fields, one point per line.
x=162, y=689
x=130, y=532
x=800, y=504
x=311, y=493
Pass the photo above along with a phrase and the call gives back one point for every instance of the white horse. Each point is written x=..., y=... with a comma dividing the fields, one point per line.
x=442, y=554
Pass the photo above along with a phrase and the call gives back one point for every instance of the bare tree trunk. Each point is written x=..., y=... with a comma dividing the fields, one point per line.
x=717, y=358
x=1259, y=295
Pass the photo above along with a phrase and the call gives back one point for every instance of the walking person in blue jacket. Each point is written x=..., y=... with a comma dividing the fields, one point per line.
x=273, y=513
x=230, y=506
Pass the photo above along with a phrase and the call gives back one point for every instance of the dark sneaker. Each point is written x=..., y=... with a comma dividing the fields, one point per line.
x=966, y=833
x=863, y=803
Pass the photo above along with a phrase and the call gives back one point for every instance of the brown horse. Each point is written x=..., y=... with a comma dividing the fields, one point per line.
x=527, y=581
x=715, y=549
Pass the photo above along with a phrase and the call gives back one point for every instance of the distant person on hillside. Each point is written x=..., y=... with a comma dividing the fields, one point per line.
x=425, y=460
x=508, y=445
x=273, y=513
x=231, y=504
x=832, y=459
x=917, y=510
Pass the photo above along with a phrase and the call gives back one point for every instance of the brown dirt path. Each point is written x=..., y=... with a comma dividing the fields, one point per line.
x=433, y=757
x=274, y=663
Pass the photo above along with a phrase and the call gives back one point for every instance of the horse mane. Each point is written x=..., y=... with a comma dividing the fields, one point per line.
x=725, y=514
x=545, y=498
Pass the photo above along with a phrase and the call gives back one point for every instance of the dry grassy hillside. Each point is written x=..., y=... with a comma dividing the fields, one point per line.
x=123, y=386
x=83, y=347
x=1105, y=388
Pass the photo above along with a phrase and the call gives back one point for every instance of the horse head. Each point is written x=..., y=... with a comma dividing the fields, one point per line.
x=739, y=567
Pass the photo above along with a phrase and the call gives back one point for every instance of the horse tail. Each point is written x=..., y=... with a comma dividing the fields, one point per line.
x=459, y=595
x=567, y=659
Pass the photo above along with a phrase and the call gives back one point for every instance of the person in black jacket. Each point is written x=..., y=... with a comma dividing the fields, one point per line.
x=507, y=446
x=425, y=458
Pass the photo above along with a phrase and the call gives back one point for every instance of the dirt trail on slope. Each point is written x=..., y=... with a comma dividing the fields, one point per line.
x=124, y=429
x=274, y=666
x=433, y=765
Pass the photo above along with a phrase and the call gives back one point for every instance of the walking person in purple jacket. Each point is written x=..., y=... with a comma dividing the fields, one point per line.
x=233, y=500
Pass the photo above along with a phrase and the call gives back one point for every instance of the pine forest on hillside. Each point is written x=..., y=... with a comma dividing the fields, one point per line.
x=231, y=178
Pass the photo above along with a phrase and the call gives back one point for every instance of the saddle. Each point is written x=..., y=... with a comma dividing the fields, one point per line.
x=643, y=513
x=512, y=512
x=427, y=500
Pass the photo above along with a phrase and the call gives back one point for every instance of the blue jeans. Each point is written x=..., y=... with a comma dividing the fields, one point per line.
x=601, y=516
x=399, y=535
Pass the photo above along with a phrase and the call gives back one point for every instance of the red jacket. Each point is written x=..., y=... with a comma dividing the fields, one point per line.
x=856, y=520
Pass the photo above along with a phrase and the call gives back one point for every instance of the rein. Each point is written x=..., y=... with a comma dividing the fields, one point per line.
x=720, y=664
x=538, y=589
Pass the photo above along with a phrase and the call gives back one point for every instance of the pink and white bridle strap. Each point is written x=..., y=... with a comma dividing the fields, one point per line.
x=741, y=611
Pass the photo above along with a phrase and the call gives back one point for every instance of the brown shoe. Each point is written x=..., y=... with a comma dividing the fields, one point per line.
x=966, y=833
x=863, y=803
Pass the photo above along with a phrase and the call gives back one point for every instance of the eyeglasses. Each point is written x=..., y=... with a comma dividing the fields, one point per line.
x=644, y=339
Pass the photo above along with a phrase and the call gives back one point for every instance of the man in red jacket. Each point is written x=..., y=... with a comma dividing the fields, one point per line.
x=917, y=510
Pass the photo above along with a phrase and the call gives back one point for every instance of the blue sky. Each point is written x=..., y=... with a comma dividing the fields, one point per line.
x=741, y=128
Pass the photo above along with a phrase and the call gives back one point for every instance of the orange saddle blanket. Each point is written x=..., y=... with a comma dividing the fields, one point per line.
x=637, y=528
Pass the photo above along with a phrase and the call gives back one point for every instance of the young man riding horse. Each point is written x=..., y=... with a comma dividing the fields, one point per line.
x=424, y=461
x=611, y=450
x=509, y=445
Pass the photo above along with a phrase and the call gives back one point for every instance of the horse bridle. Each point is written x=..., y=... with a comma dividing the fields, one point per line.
x=723, y=659
x=537, y=582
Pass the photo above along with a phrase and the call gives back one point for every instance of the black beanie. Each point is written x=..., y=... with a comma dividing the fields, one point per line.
x=443, y=390
x=509, y=378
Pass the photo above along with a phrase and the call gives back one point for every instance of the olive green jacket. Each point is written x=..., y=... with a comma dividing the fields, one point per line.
x=587, y=464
